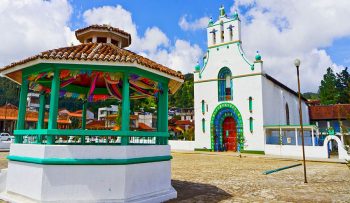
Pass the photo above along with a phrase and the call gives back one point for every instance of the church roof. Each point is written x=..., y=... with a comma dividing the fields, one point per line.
x=275, y=81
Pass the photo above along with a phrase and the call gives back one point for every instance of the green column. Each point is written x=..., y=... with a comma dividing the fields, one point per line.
x=162, y=113
x=55, y=88
x=125, y=108
x=22, y=109
x=41, y=116
x=83, y=120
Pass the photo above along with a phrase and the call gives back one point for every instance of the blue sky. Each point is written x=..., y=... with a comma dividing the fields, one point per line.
x=163, y=14
x=173, y=32
x=166, y=15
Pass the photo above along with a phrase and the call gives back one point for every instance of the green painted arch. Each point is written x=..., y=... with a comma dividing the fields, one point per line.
x=231, y=111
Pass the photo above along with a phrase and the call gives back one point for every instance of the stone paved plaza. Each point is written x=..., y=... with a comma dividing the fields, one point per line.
x=224, y=177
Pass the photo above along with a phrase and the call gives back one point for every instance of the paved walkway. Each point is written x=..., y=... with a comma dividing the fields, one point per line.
x=331, y=160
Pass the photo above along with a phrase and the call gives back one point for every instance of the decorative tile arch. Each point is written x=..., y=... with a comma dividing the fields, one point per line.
x=221, y=112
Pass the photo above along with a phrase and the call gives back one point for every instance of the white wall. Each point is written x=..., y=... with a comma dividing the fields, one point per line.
x=274, y=101
x=296, y=151
x=182, y=145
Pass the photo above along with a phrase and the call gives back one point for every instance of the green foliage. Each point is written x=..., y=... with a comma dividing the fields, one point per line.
x=328, y=91
x=335, y=88
x=343, y=86
x=187, y=135
x=183, y=98
x=311, y=95
x=148, y=104
x=9, y=92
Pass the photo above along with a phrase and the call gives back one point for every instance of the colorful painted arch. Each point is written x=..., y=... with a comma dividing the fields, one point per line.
x=221, y=112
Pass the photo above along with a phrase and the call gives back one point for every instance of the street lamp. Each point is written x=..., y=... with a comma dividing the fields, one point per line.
x=297, y=64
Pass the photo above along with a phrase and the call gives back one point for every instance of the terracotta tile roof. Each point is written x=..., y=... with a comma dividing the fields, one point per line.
x=97, y=52
x=97, y=124
x=102, y=27
x=143, y=126
x=32, y=116
x=183, y=122
x=331, y=112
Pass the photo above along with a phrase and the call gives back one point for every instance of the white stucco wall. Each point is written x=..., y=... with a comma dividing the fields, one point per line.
x=139, y=182
x=274, y=101
x=182, y=145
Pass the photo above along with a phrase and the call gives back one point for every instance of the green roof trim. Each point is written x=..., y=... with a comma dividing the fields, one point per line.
x=68, y=161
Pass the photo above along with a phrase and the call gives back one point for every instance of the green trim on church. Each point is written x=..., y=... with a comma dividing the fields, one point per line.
x=233, y=112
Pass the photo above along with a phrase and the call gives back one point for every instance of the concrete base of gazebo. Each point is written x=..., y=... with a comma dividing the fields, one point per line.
x=93, y=173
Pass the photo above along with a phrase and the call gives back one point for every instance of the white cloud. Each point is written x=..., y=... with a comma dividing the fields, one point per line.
x=153, y=44
x=183, y=56
x=28, y=27
x=200, y=23
x=285, y=30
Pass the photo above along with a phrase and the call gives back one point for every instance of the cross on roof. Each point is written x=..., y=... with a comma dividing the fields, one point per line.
x=230, y=27
x=213, y=31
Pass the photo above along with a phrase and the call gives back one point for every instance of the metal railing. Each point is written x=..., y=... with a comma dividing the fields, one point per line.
x=90, y=137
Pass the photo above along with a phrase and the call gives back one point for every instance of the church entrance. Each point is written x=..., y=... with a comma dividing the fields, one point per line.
x=229, y=133
x=226, y=128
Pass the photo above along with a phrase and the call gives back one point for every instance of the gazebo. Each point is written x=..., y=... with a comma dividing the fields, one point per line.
x=129, y=166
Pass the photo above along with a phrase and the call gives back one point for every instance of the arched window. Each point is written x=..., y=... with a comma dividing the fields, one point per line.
x=203, y=125
x=250, y=104
x=287, y=114
x=203, y=107
x=251, y=125
x=214, y=35
x=225, y=84
x=222, y=31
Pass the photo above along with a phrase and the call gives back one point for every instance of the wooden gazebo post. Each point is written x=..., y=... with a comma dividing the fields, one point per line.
x=125, y=108
x=41, y=115
x=55, y=88
x=22, y=109
x=162, y=112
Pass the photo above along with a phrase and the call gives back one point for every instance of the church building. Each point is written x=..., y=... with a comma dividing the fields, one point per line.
x=236, y=102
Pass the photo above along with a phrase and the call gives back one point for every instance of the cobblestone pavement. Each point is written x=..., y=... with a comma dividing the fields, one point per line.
x=225, y=177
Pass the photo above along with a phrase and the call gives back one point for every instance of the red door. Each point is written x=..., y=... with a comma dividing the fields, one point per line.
x=229, y=134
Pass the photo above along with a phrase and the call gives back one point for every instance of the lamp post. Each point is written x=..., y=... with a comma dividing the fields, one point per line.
x=297, y=64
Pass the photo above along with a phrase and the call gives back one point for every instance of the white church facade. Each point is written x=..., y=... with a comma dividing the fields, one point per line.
x=238, y=106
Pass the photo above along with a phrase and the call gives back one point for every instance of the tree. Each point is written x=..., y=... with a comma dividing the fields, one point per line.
x=183, y=98
x=328, y=89
x=311, y=95
x=343, y=86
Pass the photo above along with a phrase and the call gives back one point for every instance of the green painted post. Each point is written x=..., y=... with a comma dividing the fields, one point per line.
x=41, y=116
x=22, y=109
x=55, y=88
x=162, y=113
x=83, y=120
x=125, y=108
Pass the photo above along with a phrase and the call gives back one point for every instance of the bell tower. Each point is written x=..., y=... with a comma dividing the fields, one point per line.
x=226, y=29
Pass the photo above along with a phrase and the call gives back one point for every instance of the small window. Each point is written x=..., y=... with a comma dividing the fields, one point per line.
x=101, y=40
x=214, y=38
x=89, y=40
x=203, y=107
x=251, y=125
x=225, y=84
x=250, y=104
x=222, y=32
x=115, y=42
x=287, y=114
x=203, y=125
